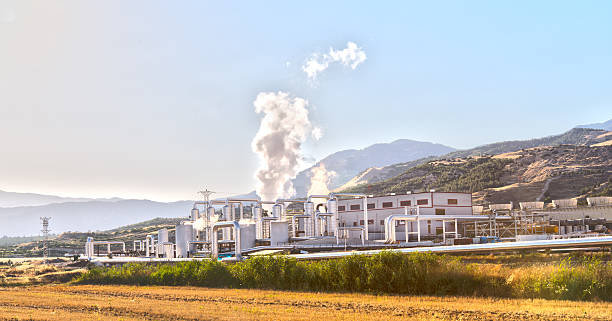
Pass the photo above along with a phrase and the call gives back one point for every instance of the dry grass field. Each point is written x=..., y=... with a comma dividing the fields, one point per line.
x=88, y=302
x=23, y=271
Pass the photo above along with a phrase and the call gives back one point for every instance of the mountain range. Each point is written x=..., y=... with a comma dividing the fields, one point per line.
x=86, y=215
x=575, y=136
x=14, y=199
x=20, y=212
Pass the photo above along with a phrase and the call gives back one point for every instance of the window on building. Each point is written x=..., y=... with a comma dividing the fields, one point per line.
x=405, y=203
x=423, y=202
x=370, y=222
x=387, y=204
x=440, y=211
x=355, y=223
x=428, y=227
x=341, y=208
x=452, y=201
x=355, y=207
x=371, y=206
x=382, y=222
x=360, y=222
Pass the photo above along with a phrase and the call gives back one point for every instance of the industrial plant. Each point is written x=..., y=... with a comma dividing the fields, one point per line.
x=340, y=224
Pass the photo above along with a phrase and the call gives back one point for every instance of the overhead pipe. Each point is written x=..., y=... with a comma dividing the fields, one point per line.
x=215, y=239
x=311, y=229
x=365, y=210
x=295, y=222
x=319, y=222
x=350, y=228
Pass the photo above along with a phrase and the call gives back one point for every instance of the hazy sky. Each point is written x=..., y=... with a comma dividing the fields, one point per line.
x=154, y=100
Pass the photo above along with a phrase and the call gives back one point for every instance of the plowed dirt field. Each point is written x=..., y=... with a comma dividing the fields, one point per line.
x=66, y=302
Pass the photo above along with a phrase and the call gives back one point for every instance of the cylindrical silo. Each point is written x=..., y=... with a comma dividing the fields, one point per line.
x=332, y=207
x=257, y=217
x=277, y=210
x=195, y=214
x=310, y=227
x=184, y=234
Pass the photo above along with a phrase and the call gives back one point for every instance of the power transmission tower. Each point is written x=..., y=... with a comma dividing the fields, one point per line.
x=45, y=230
x=206, y=194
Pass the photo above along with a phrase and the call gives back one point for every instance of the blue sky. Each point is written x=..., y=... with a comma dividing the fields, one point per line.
x=150, y=99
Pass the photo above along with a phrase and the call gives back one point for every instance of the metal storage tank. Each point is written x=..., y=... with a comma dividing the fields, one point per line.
x=308, y=223
x=332, y=207
x=195, y=214
x=277, y=210
x=162, y=235
x=184, y=234
x=257, y=217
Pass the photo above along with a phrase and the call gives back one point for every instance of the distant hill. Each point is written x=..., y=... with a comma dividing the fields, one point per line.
x=350, y=162
x=539, y=173
x=576, y=136
x=605, y=125
x=14, y=199
x=86, y=216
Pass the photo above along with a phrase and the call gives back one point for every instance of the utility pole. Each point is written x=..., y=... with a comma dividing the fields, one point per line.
x=45, y=230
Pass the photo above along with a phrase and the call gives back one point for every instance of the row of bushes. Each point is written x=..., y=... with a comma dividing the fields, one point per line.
x=389, y=273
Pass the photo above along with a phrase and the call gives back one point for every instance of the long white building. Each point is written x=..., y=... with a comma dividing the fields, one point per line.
x=350, y=211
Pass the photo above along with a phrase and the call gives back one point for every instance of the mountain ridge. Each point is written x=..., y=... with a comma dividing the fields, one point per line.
x=350, y=162
x=607, y=125
x=574, y=136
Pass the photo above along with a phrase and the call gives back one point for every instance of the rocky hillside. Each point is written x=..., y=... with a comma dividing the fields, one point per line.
x=544, y=173
x=576, y=136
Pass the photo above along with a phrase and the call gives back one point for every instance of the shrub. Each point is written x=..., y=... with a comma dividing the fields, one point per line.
x=387, y=272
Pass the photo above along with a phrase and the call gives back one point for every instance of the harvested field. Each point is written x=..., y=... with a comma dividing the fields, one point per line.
x=80, y=302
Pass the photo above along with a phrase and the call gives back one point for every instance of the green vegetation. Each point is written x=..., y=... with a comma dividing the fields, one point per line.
x=575, y=136
x=391, y=273
x=470, y=175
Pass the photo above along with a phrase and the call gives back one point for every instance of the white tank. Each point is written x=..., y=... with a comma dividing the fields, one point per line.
x=257, y=217
x=277, y=210
x=227, y=213
x=309, y=226
x=184, y=234
x=332, y=207
x=162, y=235
x=195, y=214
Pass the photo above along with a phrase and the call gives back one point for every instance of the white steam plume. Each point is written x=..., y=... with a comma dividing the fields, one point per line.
x=320, y=178
x=351, y=56
x=283, y=129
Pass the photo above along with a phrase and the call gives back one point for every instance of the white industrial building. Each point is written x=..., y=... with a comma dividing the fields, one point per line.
x=350, y=212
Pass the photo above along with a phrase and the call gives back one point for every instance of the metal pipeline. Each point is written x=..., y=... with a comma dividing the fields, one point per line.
x=390, y=226
x=319, y=222
x=295, y=222
x=90, y=244
x=215, y=240
x=365, y=209
x=350, y=228
x=282, y=201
